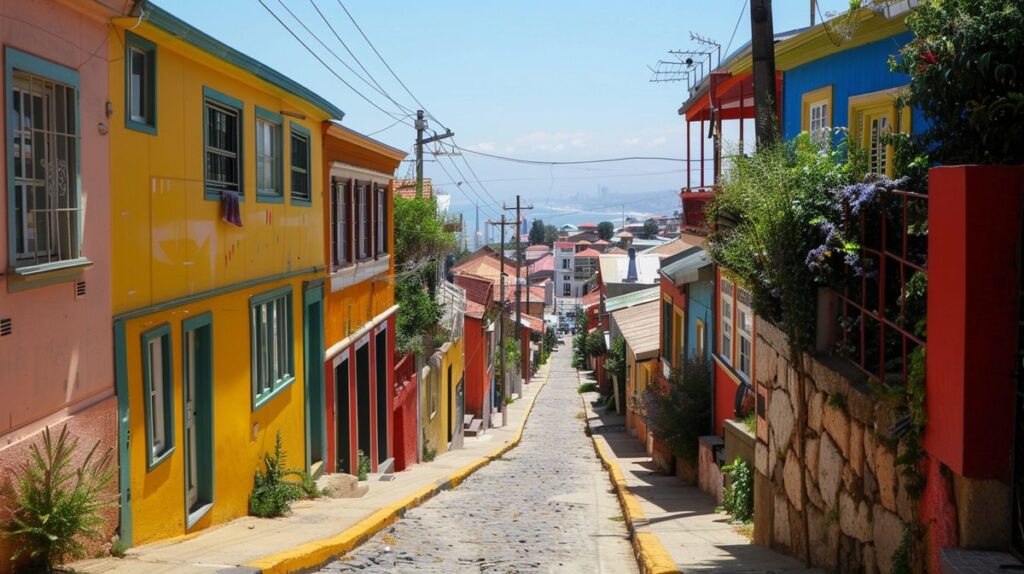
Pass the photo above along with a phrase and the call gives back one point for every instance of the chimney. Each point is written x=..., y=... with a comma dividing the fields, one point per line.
x=631, y=275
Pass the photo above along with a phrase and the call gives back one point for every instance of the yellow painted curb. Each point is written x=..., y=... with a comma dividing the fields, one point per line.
x=311, y=555
x=652, y=558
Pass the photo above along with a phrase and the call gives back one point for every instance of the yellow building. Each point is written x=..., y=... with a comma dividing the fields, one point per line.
x=218, y=259
x=441, y=394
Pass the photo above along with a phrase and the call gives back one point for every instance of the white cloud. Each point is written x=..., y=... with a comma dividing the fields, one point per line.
x=658, y=141
x=485, y=146
x=629, y=142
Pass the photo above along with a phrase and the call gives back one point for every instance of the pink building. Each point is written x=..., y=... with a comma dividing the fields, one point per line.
x=56, y=360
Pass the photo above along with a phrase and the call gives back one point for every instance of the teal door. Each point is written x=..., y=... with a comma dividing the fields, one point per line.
x=313, y=367
x=197, y=411
x=123, y=435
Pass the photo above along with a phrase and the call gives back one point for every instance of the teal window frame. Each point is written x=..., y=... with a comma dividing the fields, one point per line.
x=212, y=96
x=163, y=333
x=304, y=133
x=206, y=482
x=278, y=195
x=260, y=398
x=15, y=59
x=138, y=43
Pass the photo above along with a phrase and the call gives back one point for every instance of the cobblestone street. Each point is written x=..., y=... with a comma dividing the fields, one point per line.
x=546, y=506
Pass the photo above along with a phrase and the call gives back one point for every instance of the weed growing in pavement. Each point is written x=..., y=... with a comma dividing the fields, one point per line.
x=272, y=495
x=587, y=388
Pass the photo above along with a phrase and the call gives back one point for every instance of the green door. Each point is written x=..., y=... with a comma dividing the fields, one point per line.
x=313, y=367
x=197, y=412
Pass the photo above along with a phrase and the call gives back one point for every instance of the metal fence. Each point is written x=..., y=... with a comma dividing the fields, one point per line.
x=881, y=304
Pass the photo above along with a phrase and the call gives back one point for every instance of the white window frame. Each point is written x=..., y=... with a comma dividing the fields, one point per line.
x=158, y=377
x=271, y=338
x=745, y=336
x=362, y=241
x=726, y=303
x=139, y=111
x=265, y=129
x=339, y=205
x=817, y=121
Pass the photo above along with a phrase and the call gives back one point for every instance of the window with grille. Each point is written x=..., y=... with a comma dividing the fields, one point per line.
x=725, y=304
x=268, y=158
x=878, y=126
x=43, y=124
x=301, y=192
x=222, y=157
x=157, y=377
x=271, y=333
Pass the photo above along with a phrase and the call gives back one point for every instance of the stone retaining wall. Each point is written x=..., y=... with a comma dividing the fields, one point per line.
x=856, y=508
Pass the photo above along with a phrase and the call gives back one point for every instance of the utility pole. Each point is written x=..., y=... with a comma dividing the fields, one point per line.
x=519, y=291
x=762, y=45
x=501, y=319
x=812, y=12
x=421, y=126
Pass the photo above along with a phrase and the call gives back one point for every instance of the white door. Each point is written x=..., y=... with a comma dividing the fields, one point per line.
x=191, y=483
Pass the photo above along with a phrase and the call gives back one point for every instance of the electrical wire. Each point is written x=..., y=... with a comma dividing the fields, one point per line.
x=390, y=126
x=577, y=162
x=325, y=65
x=736, y=27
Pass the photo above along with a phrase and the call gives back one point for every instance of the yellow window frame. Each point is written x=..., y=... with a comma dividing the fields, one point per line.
x=867, y=107
x=808, y=99
x=677, y=336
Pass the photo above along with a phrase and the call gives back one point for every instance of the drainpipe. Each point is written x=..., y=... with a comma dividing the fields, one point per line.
x=419, y=404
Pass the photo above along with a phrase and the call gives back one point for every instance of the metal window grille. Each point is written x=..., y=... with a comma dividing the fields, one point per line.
x=223, y=168
x=880, y=306
x=47, y=211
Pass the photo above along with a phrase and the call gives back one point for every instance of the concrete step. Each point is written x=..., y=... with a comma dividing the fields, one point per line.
x=475, y=428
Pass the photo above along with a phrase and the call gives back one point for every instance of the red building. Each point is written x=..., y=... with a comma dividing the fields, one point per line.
x=479, y=346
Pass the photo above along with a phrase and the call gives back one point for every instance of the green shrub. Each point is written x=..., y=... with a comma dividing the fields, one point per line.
x=679, y=412
x=587, y=388
x=54, y=506
x=364, y=465
x=738, y=496
x=272, y=495
x=429, y=453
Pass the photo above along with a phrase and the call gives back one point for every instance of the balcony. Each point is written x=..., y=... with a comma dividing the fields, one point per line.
x=694, y=201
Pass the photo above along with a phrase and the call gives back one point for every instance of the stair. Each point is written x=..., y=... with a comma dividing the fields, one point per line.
x=472, y=428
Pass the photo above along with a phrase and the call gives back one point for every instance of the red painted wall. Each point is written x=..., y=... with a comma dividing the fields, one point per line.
x=405, y=440
x=725, y=397
x=476, y=366
x=973, y=243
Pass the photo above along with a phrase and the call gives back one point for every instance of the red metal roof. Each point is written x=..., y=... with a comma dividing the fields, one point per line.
x=600, y=242
x=587, y=226
x=564, y=244
x=589, y=253
x=478, y=289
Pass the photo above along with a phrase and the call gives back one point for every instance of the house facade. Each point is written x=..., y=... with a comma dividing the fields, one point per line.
x=565, y=252
x=480, y=338
x=217, y=285
x=55, y=254
x=352, y=414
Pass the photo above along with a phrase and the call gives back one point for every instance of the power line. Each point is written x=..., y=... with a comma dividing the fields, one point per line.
x=578, y=162
x=736, y=27
x=640, y=174
x=325, y=65
x=406, y=116
x=386, y=65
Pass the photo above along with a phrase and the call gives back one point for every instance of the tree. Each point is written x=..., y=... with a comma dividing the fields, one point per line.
x=420, y=232
x=605, y=230
x=650, y=229
x=537, y=232
x=550, y=235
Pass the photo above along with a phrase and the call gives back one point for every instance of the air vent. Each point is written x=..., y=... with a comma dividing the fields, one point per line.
x=79, y=289
x=5, y=328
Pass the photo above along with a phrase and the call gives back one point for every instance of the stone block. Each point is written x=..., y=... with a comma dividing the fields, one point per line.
x=773, y=458
x=792, y=479
x=782, y=528
x=830, y=470
x=857, y=447
x=870, y=485
x=342, y=486
x=765, y=362
x=764, y=504
x=983, y=511
x=761, y=457
x=854, y=518
x=811, y=447
x=851, y=554
x=852, y=483
x=796, y=536
x=860, y=403
x=869, y=448
x=869, y=560
x=837, y=423
x=885, y=472
x=904, y=504
x=888, y=534
x=814, y=407
x=824, y=538
x=813, y=494
x=780, y=418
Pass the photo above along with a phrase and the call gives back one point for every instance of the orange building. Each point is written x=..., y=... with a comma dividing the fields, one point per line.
x=355, y=411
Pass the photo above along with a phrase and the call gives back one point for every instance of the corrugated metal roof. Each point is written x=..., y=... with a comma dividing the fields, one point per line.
x=639, y=327
x=614, y=268
x=687, y=269
x=632, y=299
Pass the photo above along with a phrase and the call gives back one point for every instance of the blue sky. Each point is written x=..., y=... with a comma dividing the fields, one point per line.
x=546, y=80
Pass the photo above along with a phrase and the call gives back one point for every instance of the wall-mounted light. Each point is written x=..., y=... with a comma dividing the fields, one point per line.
x=292, y=114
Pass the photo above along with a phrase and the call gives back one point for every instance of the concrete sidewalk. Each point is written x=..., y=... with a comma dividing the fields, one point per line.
x=675, y=527
x=317, y=531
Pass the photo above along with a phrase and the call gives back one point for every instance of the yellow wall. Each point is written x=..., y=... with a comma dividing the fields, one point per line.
x=435, y=431
x=349, y=309
x=158, y=496
x=168, y=240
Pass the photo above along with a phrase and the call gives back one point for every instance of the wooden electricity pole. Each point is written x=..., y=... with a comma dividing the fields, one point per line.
x=421, y=126
x=501, y=318
x=519, y=291
x=762, y=48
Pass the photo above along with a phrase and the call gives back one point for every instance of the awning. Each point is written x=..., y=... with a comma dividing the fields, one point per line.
x=640, y=328
x=693, y=267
